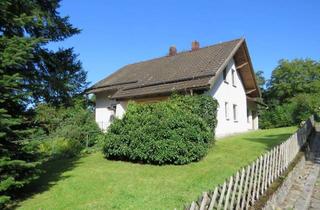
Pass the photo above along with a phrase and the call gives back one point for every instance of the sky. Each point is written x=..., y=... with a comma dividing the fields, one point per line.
x=116, y=33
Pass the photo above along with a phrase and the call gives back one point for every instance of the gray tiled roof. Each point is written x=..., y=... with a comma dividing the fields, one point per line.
x=184, y=70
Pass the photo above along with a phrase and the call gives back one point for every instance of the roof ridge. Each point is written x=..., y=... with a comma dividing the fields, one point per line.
x=184, y=52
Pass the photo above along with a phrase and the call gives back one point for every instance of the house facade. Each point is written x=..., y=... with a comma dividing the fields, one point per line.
x=223, y=71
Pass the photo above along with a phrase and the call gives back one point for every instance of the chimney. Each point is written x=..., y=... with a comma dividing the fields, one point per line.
x=172, y=51
x=195, y=45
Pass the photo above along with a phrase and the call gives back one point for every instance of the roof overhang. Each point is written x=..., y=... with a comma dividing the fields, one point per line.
x=244, y=66
x=257, y=101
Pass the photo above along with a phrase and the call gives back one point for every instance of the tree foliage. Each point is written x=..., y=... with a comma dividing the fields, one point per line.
x=65, y=132
x=291, y=78
x=292, y=93
x=29, y=74
x=47, y=76
x=17, y=164
x=260, y=79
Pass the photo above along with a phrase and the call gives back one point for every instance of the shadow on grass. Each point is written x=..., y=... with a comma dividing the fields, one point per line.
x=270, y=140
x=52, y=172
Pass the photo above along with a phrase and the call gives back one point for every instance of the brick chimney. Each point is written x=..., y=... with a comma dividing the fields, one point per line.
x=195, y=45
x=172, y=50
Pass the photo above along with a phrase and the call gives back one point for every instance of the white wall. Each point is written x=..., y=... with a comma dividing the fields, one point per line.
x=121, y=109
x=104, y=112
x=233, y=94
x=253, y=122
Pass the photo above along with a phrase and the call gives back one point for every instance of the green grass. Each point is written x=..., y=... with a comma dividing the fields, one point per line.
x=93, y=182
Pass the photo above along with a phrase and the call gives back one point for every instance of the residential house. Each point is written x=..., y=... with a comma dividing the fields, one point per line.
x=223, y=71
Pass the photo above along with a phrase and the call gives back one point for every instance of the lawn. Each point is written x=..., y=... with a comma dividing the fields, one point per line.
x=93, y=182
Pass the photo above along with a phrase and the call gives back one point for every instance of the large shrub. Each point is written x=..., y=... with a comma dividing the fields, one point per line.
x=298, y=109
x=59, y=147
x=203, y=106
x=278, y=116
x=176, y=131
x=72, y=129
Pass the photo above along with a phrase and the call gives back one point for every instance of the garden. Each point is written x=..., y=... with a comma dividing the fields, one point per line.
x=92, y=182
x=158, y=156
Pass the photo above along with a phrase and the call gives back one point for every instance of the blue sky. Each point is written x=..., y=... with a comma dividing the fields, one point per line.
x=116, y=33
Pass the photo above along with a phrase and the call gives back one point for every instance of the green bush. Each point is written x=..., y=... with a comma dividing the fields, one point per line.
x=75, y=124
x=278, y=116
x=60, y=147
x=298, y=109
x=203, y=106
x=175, y=131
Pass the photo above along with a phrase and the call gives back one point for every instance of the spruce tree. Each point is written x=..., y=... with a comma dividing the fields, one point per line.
x=30, y=73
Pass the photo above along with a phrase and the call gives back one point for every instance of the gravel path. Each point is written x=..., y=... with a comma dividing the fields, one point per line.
x=300, y=194
x=305, y=191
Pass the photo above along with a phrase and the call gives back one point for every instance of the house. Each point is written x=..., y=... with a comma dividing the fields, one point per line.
x=223, y=71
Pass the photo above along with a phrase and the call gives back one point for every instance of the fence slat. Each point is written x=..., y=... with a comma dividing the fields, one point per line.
x=246, y=183
x=255, y=182
x=259, y=177
x=273, y=165
x=222, y=195
x=267, y=171
x=193, y=206
x=226, y=203
x=264, y=157
x=243, y=172
x=250, y=185
x=204, y=202
x=213, y=198
x=234, y=190
x=270, y=168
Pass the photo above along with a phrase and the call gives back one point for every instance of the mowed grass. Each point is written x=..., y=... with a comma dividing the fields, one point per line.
x=92, y=182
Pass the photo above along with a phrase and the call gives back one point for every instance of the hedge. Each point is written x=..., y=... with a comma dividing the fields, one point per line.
x=177, y=131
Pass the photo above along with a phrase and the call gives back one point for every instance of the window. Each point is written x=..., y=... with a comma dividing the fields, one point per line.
x=233, y=77
x=226, y=110
x=235, y=112
x=225, y=75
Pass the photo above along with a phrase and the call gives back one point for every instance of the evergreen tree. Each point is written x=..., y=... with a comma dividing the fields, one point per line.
x=30, y=73
x=49, y=76
x=17, y=164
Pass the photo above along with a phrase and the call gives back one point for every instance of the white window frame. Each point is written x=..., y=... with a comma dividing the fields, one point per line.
x=233, y=73
x=225, y=75
x=235, y=112
x=226, y=111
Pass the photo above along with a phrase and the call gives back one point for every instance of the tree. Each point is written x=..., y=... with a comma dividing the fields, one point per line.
x=17, y=164
x=30, y=73
x=291, y=78
x=261, y=81
x=52, y=77
x=292, y=93
x=61, y=75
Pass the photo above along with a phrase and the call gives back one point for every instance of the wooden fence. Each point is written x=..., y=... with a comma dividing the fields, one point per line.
x=248, y=184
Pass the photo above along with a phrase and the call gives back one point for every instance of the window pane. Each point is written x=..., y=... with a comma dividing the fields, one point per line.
x=233, y=75
x=226, y=110
x=234, y=112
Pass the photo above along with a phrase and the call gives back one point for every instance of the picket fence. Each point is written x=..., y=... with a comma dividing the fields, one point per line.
x=248, y=184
